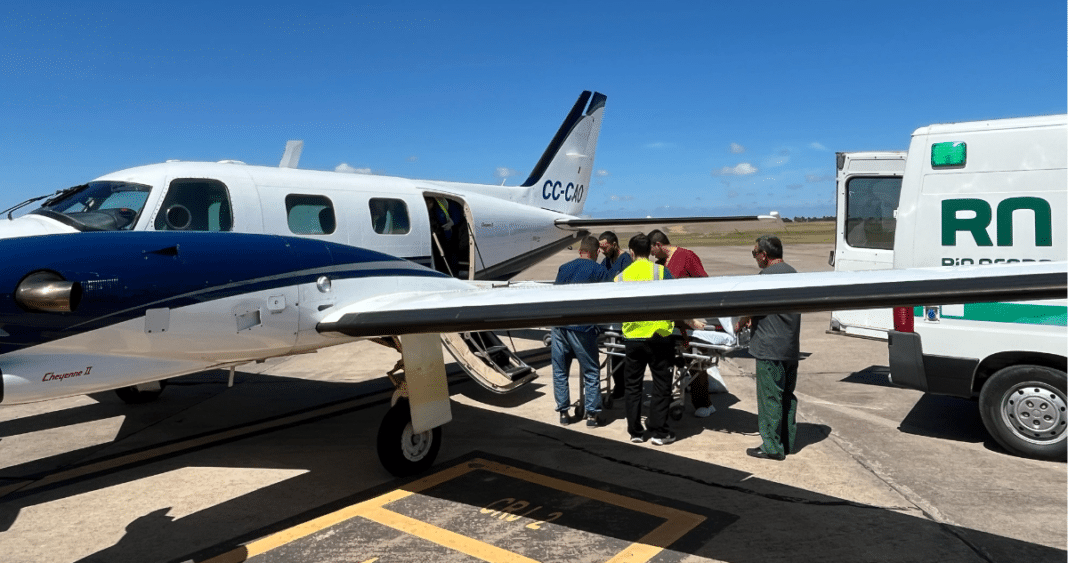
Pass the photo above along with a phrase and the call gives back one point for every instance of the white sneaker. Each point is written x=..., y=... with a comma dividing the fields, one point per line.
x=704, y=412
x=664, y=440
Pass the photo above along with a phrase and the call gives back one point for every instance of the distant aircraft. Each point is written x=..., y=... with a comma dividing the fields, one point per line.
x=175, y=268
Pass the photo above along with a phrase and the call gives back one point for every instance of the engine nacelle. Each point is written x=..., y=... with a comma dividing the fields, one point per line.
x=48, y=292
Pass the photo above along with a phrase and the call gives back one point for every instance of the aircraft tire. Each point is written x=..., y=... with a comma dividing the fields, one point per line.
x=402, y=452
x=133, y=396
x=1025, y=408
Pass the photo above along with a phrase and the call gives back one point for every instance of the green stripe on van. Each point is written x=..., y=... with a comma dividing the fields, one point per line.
x=1019, y=313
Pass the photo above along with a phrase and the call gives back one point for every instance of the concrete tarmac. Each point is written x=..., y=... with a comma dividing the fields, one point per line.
x=282, y=467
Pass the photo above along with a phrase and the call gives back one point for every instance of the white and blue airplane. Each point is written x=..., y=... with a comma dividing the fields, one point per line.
x=175, y=268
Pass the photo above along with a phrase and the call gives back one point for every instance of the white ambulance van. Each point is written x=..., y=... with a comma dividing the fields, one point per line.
x=988, y=192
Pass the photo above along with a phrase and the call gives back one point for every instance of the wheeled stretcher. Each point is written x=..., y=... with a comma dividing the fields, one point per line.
x=698, y=351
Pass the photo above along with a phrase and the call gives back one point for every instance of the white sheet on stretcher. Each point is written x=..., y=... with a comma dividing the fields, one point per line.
x=719, y=338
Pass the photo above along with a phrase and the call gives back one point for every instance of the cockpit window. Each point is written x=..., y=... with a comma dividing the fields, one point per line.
x=98, y=206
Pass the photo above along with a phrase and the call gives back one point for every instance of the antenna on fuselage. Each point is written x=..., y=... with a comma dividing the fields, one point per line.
x=292, y=154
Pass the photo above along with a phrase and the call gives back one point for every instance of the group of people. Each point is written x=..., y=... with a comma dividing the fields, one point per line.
x=775, y=343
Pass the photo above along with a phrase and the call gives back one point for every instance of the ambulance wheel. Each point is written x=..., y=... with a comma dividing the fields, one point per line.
x=133, y=396
x=675, y=410
x=1024, y=407
x=402, y=451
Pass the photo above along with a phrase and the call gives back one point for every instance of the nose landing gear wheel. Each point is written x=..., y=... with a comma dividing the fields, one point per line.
x=402, y=451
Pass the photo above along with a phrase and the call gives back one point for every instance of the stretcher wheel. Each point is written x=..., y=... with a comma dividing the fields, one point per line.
x=675, y=410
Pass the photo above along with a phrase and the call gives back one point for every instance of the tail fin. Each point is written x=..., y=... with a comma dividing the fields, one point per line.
x=561, y=179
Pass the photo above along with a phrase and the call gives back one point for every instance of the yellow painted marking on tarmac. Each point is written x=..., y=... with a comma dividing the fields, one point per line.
x=310, y=527
x=677, y=522
x=445, y=538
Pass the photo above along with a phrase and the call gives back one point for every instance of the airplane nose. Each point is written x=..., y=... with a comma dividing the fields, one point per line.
x=31, y=225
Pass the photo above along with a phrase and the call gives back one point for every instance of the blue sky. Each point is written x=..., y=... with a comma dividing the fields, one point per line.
x=714, y=108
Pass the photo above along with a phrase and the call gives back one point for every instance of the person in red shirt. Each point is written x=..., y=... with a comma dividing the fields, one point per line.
x=683, y=263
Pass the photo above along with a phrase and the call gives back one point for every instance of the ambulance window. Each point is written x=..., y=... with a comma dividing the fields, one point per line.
x=389, y=216
x=310, y=214
x=195, y=205
x=870, y=206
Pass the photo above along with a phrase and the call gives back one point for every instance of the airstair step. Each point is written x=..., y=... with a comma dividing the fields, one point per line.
x=490, y=351
x=518, y=372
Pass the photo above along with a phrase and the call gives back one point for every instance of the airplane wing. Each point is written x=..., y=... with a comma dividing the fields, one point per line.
x=509, y=307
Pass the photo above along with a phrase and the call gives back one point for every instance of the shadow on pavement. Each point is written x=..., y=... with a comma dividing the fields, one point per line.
x=741, y=511
x=871, y=375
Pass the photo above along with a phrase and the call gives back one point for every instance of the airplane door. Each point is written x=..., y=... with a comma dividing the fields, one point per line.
x=452, y=243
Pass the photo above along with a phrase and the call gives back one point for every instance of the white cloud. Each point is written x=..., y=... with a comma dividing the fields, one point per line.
x=743, y=169
x=413, y=158
x=817, y=146
x=503, y=172
x=621, y=197
x=345, y=168
x=659, y=145
x=602, y=173
x=818, y=178
x=737, y=149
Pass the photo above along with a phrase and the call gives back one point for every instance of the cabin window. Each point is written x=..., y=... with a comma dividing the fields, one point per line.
x=310, y=215
x=870, y=207
x=195, y=205
x=389, y=216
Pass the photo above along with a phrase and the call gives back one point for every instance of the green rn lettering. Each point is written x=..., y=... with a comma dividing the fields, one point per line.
x=977, y=225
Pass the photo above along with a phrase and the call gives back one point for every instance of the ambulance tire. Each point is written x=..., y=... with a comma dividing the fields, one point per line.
x=1025, y=408
x=133, y=396
x=400, y=450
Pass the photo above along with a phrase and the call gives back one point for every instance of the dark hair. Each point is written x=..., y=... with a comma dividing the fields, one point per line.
x=771, y=245
x=589, y=245
x=639, y=243
x=610, y=237
x=656, y=236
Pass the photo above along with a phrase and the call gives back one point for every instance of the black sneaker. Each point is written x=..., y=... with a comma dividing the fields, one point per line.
x=593, y=421
x=637, y=438
x=564, y=418
x=759, y=453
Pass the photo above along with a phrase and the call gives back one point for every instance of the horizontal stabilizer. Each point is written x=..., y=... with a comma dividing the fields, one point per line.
x=586, y=224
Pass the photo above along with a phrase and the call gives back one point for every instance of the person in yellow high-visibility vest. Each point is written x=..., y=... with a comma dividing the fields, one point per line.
x=647, y=343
